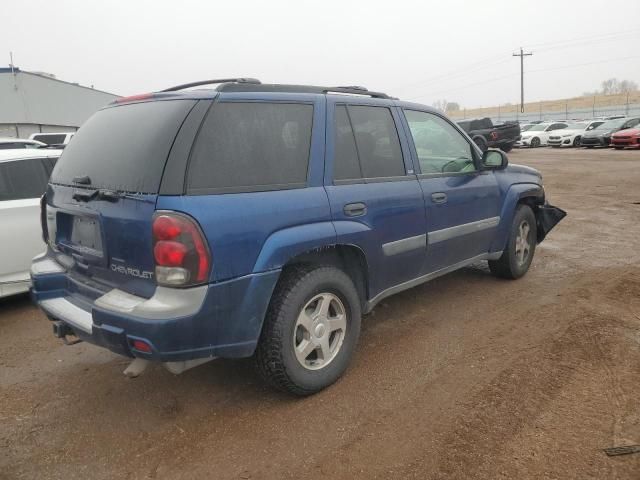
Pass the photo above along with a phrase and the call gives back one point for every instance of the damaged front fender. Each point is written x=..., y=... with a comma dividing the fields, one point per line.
x=547, y=217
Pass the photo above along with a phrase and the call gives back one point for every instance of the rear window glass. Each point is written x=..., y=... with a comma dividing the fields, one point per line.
x=23, y=179
x=123, y=148
x=50, y=139
x=250, y=146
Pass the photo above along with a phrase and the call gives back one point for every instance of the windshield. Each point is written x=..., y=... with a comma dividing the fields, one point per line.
x=539, y=127
x=524, y=128
x=123, y=148
x=611, y=124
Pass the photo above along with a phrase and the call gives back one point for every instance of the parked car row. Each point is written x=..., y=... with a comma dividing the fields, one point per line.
x=616, y=132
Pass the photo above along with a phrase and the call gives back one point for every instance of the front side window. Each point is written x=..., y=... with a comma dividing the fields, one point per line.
x=249, y=146
x=439, y=146
x=21, y=179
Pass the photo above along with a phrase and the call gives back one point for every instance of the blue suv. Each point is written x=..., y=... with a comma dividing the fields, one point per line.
x=260, y=220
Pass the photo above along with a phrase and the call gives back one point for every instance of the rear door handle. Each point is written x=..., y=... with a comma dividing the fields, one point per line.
x=439, y=197
x=355, y=209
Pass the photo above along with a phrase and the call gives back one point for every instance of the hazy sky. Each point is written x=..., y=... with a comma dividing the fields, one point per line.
x=417, y=50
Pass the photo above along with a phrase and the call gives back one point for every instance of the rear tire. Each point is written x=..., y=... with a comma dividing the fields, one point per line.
x=521, y=246
x=310, y=331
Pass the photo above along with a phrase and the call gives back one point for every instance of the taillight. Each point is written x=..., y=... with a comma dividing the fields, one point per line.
x=494, y=135
x=180, y=250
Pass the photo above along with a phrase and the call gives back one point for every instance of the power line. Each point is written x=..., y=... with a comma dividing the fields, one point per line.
x=594, y=38
x=490, y=80
x=480, y=65
x=493, y=61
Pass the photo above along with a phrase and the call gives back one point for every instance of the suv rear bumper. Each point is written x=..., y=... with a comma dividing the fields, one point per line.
x=222, y=319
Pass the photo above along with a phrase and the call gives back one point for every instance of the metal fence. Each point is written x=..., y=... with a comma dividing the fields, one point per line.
x=568, y=113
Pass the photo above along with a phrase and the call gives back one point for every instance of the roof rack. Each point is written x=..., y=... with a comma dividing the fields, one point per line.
x=253, y=81
x=356, y=90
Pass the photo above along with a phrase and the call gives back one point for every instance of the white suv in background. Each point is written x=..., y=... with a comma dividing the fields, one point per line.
x=24, y=174
x=570, y=136
x=539, y=134
x=61, y=138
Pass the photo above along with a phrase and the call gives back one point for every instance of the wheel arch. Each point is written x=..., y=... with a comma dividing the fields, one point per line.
x=349, y=258
x=530, y=194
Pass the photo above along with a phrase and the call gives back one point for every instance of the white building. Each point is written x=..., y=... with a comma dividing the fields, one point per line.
x=37, y=102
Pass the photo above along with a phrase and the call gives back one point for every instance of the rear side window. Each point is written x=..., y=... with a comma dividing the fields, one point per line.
x=12, y=146
x=251, y=146
x=377, y=141
x=346, y=164
x=23, y=179
x=124, y=148
x=51, y=139
x=366, y=144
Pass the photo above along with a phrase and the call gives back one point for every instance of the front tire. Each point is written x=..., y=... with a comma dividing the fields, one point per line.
x=310, y=331
x=576, y=142
x=535, y=142
x=521, y=246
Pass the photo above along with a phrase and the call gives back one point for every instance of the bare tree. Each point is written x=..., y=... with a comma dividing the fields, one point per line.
x=440, y=105
x=628, y=86
x=614, y=86
x=445, y=106
x=453, y=106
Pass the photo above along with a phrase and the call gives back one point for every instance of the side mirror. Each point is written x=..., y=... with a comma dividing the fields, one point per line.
x=494, y=160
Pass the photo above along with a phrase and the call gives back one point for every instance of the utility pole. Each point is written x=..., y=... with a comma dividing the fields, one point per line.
x=522, y=55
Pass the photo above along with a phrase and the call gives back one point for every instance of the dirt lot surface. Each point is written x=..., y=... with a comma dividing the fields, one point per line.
x=465, y=377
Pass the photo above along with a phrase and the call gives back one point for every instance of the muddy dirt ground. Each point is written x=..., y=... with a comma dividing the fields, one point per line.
x=465, y=377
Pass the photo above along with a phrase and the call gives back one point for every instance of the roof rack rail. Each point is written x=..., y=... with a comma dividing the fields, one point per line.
x=254, y=81
x=356, y=90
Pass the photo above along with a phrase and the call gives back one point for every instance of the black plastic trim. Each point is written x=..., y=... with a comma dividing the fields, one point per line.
x=175, y=170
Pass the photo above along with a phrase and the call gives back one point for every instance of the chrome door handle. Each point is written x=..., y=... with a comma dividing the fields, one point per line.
x=439, y=197
x=355, y=209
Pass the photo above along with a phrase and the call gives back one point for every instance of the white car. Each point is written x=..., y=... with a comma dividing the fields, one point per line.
x=570, y=136
x=24, y=174
x=61, y=138
x=9, y=143
x=539, y=134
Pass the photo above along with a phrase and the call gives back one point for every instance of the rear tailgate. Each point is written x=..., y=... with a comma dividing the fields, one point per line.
x=102, y=196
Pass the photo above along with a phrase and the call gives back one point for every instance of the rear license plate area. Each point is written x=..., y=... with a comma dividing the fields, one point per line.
x=86, y=236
